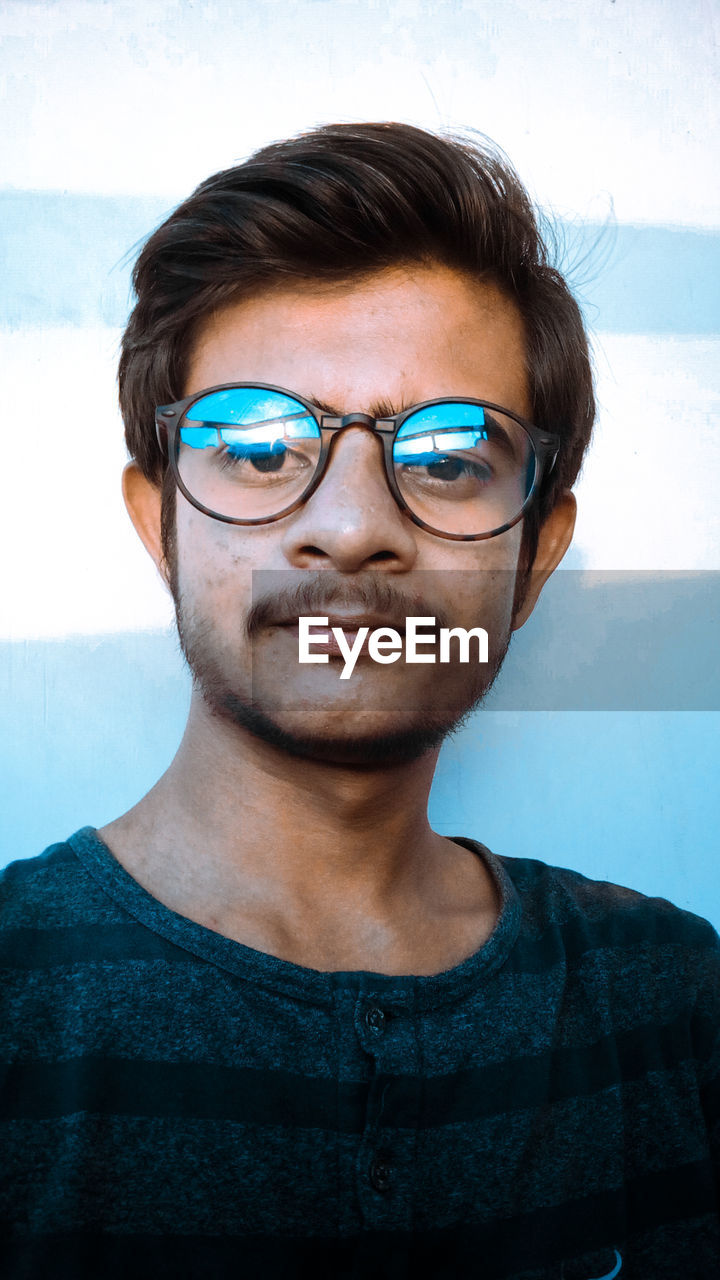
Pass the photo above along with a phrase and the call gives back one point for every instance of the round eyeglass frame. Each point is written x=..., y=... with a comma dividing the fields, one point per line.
x=168, y=418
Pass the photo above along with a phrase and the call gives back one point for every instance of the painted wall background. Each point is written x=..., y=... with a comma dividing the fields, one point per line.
x=600, y=747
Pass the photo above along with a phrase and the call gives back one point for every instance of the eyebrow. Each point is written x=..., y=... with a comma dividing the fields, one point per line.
x=380, y=409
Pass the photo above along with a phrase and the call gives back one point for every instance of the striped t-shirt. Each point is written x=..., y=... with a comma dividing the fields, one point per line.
x=175, y=1104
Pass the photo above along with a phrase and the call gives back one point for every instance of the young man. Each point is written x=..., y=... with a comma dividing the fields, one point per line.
x=268, y=1021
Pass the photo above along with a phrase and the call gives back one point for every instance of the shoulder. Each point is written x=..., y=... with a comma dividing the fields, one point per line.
x=616, y=915
x=651, y=958
x=51, y=890
x=30, y=878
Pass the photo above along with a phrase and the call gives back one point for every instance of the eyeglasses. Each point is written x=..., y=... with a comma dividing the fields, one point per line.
x=250, y=453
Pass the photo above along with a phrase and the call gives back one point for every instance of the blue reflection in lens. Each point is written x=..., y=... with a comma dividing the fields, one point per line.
x=199, y=437
x=424, y=449
x=244, y=406
x=253, y=418
x=441, y=416
x=426, y=435
x=266, y=439
x=251, y=444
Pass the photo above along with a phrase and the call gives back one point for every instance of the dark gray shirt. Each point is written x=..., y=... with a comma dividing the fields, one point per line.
x=173, y=1103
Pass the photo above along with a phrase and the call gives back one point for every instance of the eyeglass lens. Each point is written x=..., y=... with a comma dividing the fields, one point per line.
x=250, y=453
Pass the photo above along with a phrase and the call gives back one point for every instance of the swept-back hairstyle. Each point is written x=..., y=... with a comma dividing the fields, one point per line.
x=340, y=202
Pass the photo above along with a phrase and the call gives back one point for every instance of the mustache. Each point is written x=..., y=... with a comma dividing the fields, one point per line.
x=372, y=594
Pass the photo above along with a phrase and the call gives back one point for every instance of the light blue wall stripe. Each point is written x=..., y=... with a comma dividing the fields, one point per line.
x=619, y=794
x=65, y=259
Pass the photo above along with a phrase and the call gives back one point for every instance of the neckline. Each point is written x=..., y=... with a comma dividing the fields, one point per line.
x=311, y=985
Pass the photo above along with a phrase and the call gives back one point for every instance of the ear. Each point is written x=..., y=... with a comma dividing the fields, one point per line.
x=553, y=541
x=143, y=500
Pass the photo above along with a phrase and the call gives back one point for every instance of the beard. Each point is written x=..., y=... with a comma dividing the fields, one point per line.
x=257, y=696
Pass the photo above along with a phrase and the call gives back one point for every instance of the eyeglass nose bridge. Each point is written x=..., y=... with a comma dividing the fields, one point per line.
x=383, y=429
x=385, y=426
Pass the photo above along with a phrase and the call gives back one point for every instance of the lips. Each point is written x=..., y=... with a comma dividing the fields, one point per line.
x=350, y=624
x=373, y=602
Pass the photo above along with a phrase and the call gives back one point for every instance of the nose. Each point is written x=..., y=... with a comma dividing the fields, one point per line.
x=352, y=521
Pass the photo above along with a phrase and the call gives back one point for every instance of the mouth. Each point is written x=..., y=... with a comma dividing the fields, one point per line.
x=373, y=601
x=351, y=625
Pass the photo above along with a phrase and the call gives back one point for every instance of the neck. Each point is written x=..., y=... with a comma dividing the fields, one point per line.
x=330, y=866
x=254, y=811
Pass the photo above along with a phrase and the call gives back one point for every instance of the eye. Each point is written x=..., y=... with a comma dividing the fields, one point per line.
x=262, y=458
x=270, y=462
x=448, y=475
x=453, y=468
x=445, y=468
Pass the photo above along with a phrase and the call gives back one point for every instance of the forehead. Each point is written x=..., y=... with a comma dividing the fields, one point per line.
x=394, y=339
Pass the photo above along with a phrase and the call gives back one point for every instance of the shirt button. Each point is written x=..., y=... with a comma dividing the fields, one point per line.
x=380, y=1174
x=375, y=1019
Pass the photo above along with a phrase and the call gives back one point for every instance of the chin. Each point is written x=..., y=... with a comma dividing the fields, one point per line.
x=383, y=746
x=365, y=723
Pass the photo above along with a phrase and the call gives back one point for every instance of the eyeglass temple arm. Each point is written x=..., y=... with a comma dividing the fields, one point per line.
x=161, y=426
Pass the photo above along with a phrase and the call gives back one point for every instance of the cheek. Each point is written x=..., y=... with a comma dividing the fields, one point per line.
x=486, y=599
x=479, y=583
x=215, y=565
x=210, y=559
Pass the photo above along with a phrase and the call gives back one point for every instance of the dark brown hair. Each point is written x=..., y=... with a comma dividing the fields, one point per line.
x=343, y=201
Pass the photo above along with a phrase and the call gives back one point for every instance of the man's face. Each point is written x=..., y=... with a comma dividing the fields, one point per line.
x=393, y=340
